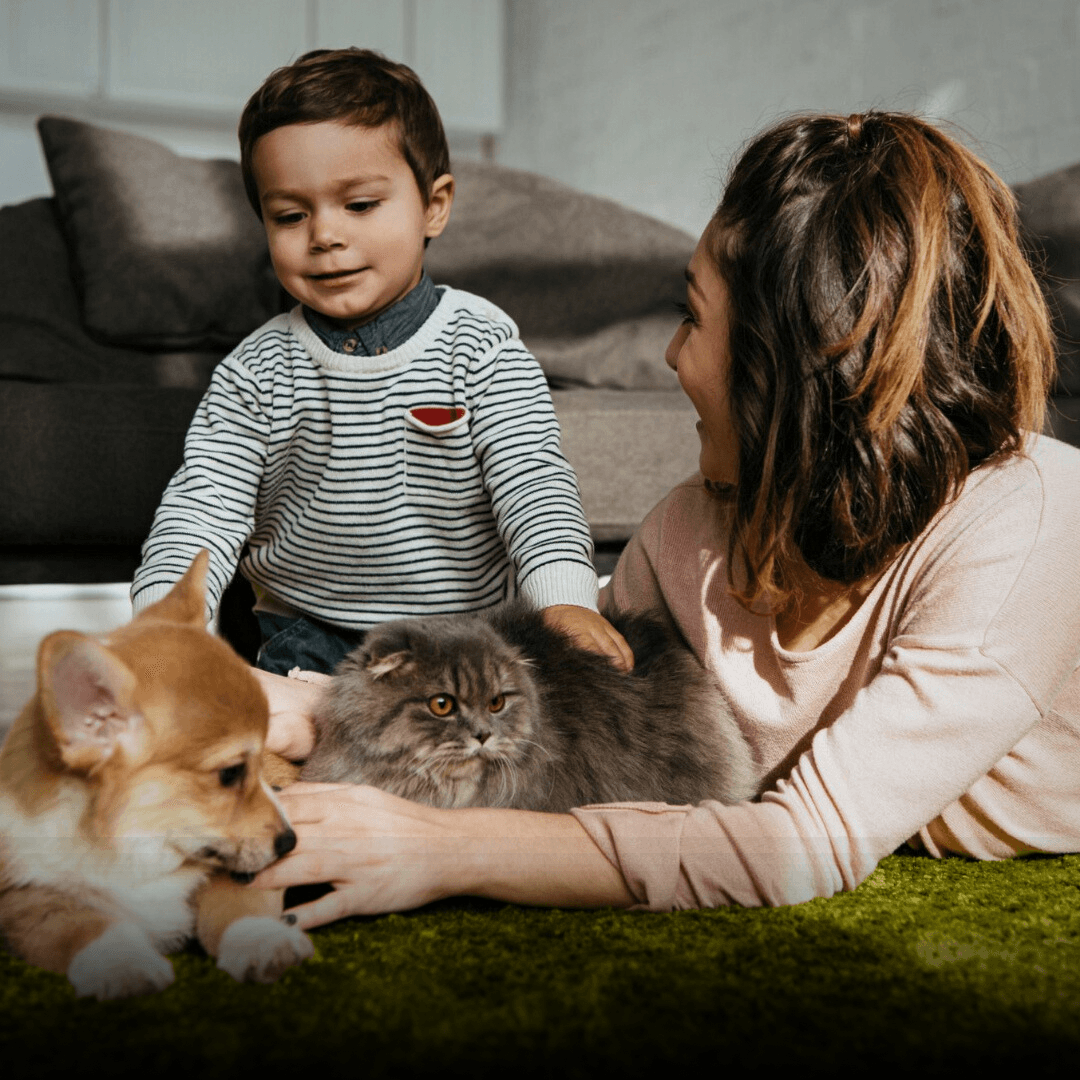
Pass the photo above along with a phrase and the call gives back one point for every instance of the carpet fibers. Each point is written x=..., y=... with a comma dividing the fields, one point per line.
x=942, y=966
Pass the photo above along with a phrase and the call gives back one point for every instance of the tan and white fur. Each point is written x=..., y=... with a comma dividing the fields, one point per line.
x=131, y=791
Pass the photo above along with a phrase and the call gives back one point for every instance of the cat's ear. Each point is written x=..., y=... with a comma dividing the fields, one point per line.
x=378, y=666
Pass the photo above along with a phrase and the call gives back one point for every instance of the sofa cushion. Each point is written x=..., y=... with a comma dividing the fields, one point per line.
x=627, y=355
x=87, y=463
x=166, y=251
x=1050, y=215
x=41, y=334
x=629, y=449
x=591, y=284
x=42, y=338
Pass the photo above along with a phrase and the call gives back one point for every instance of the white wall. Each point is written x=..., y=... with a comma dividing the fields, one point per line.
x=645, y=101
x=180, y=72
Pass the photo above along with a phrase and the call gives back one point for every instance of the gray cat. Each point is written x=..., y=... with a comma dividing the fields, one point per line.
x=498, y=709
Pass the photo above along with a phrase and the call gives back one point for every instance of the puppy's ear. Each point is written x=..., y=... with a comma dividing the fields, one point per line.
x=87, y=694
x=186, y=602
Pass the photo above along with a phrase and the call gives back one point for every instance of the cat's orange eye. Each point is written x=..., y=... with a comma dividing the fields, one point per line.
x=496, y=703
x=442, y=704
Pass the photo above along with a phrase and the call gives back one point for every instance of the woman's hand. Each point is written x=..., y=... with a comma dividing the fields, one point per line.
x=382, y=853
x=292, y=702
x=591, y=631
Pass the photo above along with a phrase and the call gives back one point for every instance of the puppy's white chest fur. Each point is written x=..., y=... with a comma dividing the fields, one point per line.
x=141, y=877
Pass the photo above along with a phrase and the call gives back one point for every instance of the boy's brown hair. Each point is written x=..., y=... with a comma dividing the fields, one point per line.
x=887, y=336
x=354, y=86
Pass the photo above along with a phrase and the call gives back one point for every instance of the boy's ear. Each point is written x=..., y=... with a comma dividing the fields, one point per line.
x=438, y=208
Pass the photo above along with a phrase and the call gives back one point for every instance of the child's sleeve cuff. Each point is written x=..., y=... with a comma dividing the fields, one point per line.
x=562, y=583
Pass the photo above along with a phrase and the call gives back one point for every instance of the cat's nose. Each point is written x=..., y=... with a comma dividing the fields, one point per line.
x=481, y=735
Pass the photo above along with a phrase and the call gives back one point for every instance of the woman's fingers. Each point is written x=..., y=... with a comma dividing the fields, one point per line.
x=354, y=807
x=311, y=793
x=326, y=909
x=299, y=868
x=380, y=852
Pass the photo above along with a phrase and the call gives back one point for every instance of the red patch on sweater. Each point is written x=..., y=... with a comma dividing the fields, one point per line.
x=436, y=415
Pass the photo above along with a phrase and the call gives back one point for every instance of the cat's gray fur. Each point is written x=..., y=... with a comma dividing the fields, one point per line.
x=573, y=729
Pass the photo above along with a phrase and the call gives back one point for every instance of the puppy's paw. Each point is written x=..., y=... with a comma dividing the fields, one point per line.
x=258, y=948
x=122, y=962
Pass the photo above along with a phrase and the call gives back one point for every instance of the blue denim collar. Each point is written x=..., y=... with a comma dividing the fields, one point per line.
x=385, y=332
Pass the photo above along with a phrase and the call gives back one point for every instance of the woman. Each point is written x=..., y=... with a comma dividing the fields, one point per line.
x=878, y=561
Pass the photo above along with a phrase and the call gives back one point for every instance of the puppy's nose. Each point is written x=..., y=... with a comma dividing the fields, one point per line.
x=284, y=842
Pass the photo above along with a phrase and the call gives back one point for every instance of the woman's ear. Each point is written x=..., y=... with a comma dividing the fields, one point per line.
x=438, y=208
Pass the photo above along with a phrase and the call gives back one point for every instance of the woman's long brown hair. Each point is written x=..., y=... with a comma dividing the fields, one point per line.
x=887, y=337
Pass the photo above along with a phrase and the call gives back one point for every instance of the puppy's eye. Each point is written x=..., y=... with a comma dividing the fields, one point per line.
x=442, y=704
x=233, y=775
x=496, y=703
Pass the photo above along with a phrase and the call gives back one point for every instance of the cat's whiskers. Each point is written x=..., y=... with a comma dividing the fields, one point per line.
x=507, y=770
x=429, y=765
x=439, y=764
x=533, y=742
x=434, y=768
x=508, y=766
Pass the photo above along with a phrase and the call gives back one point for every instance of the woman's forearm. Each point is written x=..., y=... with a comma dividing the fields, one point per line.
x=384, y=853
x=534, y=858
x=514, y=855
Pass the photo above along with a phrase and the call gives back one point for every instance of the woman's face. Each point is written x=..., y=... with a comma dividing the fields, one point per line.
x=698, y=353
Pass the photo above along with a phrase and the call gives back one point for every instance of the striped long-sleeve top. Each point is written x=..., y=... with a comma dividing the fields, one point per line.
x=425, y=480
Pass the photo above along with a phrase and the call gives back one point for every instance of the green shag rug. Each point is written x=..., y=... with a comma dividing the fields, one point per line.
x=938, y=966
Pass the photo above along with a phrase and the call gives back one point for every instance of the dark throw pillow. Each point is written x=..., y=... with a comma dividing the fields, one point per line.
x=166, y=250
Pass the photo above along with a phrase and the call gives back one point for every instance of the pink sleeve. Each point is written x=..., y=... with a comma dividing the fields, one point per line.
x=679, y=857
x=914, y=741
x=969, y=671
x=634, y=586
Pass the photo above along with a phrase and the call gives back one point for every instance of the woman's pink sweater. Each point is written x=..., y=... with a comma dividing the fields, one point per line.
x=945, y=712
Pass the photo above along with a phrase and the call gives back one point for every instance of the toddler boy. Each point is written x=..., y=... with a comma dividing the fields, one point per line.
x=388, y=448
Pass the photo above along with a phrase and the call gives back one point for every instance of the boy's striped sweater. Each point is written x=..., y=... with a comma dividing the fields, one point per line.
x=425, y=480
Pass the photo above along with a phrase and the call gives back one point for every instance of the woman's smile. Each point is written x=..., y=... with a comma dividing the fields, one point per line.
x=698, y=353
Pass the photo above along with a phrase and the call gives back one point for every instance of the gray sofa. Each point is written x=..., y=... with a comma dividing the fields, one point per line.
x=120, y=293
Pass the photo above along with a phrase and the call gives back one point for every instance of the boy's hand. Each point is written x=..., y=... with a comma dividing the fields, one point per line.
x=591, y=631
x=292, y=701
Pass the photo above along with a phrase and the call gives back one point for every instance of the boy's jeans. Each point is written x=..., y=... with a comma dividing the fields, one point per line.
x=308, y=644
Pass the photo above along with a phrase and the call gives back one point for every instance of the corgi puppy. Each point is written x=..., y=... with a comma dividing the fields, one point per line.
x=131, y=779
